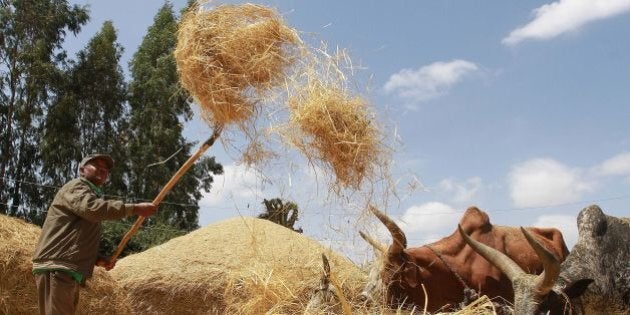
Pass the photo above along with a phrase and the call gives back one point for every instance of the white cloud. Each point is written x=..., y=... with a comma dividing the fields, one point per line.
x=429, y=221
x=238, y=183
x=617, y=165
x=422, y=224
x=542, y=182
x=429, y=81
x=551, y=20
x=462, y=192
x=565, y=223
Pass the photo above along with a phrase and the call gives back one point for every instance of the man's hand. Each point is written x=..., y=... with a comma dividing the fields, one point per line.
x=144, y=209
x=105, y=263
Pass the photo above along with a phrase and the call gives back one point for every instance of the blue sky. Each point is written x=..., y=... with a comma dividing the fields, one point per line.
x=520, y=108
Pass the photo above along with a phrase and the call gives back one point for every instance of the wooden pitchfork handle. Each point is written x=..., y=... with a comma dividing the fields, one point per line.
x=166, y=189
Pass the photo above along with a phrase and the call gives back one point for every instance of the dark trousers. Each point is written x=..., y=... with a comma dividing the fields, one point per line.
x=58, y=293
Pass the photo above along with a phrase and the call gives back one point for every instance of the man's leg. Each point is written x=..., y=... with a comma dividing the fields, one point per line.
x=58, y=293
x=64, y=293
x=42, y=281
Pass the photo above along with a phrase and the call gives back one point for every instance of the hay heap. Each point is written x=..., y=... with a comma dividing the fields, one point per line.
x=238, y=266
x=17, y=287
x=225, y=54
x=482, y=306
x=335, y=129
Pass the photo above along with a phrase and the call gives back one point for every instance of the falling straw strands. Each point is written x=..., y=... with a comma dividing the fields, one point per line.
x=234, y=58
x=337, y=129
x=332, y=126
x=229, y=56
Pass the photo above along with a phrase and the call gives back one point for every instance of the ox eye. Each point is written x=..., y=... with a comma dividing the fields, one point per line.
x=601, y=228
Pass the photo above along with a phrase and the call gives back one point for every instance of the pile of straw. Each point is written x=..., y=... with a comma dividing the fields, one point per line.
x=238, y=266
x=229, y=54
x=482, y=306
x=336, y=129
x=17, y=287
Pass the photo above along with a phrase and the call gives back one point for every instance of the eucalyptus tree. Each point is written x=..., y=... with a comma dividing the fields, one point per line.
x=32, y=33
x=157, y=147
x=88, y=112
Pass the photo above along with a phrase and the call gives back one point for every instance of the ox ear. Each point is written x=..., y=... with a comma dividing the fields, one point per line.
x=411, y=275
x=577, y=288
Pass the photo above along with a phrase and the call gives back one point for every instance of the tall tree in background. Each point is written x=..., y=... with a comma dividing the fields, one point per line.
x=158, y=105
x=31, y=37
x=88, y=113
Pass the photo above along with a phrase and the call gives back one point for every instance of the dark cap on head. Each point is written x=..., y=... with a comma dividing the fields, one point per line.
x=108, y=159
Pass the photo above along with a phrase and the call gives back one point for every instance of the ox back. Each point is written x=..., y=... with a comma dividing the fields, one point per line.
x=447, y=267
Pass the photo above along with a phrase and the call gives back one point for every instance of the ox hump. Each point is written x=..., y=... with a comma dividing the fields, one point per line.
x=475, y=219
x=592, y=221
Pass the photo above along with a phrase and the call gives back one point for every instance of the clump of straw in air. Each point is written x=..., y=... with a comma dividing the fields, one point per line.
x=256, y=153
x=336, y=129
x=229, y=56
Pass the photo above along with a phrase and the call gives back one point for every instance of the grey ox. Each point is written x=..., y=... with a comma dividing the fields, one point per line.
x=594, y=278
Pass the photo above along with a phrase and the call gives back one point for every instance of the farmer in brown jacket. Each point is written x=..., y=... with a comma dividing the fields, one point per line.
x=67, y=249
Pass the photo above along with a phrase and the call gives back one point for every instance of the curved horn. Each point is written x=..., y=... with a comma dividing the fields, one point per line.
x=545, y=281
x=378, y=246
x=495, y=257
x=399, y=242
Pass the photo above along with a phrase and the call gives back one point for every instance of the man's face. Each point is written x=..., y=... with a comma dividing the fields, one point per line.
x=96, y=171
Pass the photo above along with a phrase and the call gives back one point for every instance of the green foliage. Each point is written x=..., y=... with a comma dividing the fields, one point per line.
x=31, y=36
x=90, y=106
x=114, y=231
x=158, y=105
x=285, y=214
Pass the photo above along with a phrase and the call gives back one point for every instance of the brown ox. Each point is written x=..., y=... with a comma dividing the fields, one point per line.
x=448, y=268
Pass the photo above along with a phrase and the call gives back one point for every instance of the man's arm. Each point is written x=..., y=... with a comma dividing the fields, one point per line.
x=87, y=205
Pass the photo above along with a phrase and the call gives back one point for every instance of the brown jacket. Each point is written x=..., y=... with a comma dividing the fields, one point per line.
x=72, y=231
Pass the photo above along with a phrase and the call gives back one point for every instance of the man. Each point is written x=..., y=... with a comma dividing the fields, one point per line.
x=67, y=249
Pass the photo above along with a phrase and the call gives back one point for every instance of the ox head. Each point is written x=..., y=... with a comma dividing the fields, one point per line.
x=374, y=286
x=397, y=273
x=533, y=294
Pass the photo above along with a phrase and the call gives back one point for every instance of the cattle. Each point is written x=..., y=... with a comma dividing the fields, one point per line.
x=374, y=286
x=594, y=278
x=449, y=270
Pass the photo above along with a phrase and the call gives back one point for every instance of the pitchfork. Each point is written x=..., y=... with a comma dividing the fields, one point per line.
x=167, y=188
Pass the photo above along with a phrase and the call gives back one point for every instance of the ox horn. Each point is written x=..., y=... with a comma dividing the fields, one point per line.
x=399, y=242
x=378, y=246
x=497, y=258
x=546, y=280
